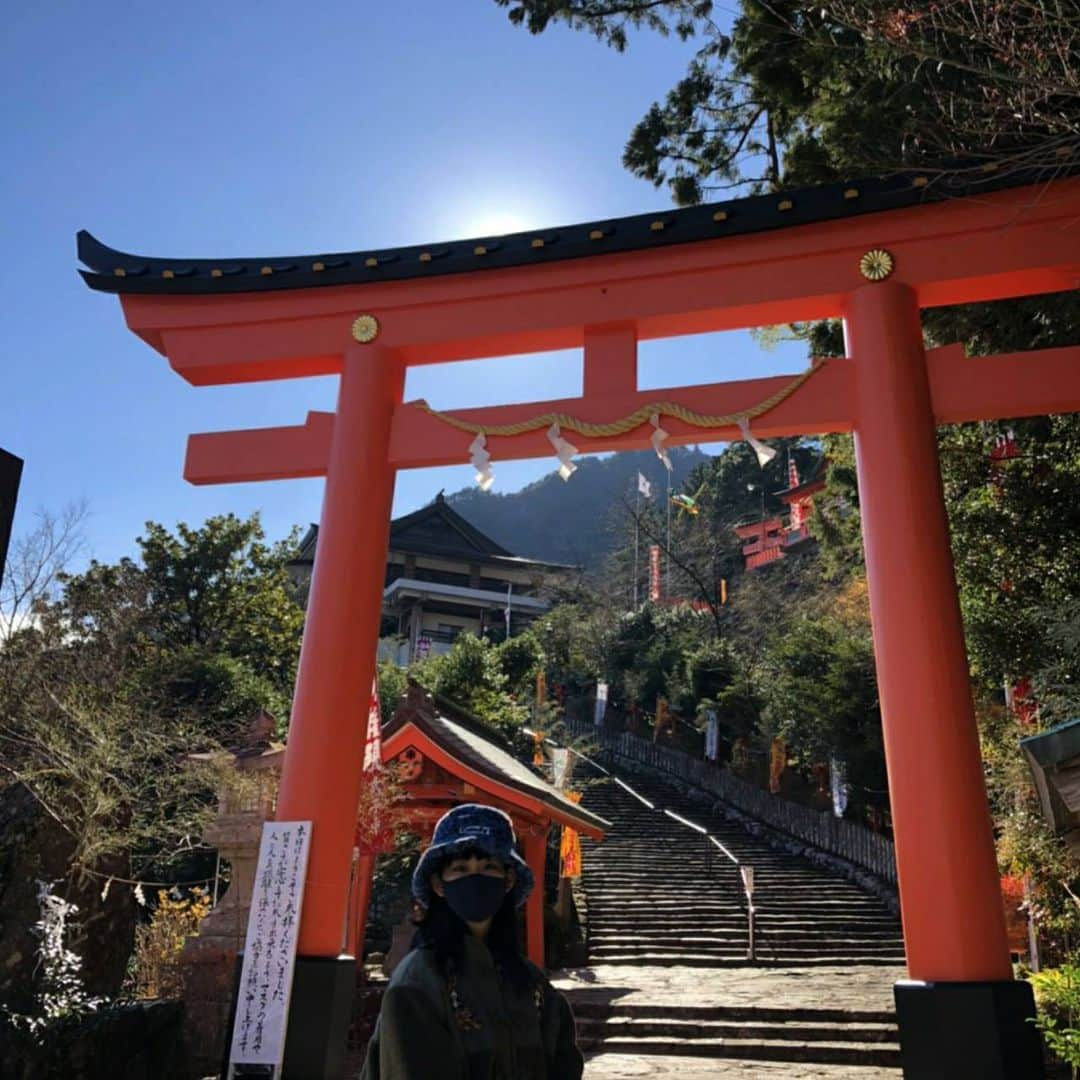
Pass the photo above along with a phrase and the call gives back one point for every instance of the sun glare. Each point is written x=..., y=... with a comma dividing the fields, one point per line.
x=491, y=222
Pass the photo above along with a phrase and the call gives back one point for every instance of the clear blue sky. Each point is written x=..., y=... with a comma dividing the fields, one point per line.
x=210, y=129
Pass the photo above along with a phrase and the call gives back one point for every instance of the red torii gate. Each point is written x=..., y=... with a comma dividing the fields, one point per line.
x=873, y=252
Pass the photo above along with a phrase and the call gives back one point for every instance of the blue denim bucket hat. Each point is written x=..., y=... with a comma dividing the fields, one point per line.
x=472, y=826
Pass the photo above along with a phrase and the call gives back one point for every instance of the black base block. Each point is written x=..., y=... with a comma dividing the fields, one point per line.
x=319, y=1012
x=976, y=1030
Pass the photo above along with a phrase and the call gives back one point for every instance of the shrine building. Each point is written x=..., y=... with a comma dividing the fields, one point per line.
x=443, y=756
x=773, y=538
x=444, y=577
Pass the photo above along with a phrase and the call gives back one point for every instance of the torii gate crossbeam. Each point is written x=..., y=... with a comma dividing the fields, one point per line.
x=871, y=252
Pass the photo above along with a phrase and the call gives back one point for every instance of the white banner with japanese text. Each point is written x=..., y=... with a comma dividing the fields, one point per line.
x=262, y=1008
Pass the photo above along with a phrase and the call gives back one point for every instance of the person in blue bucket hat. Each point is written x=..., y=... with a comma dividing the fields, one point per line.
x=464, y=1003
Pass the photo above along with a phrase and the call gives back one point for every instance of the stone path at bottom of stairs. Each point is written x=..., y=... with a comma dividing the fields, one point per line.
x=635, y=1066
x=850, y=987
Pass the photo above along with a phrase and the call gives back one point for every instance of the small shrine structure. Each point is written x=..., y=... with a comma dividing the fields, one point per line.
x=445, y=757
x=772, y=538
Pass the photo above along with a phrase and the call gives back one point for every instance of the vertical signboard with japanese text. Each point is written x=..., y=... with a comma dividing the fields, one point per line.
x=262, y=1007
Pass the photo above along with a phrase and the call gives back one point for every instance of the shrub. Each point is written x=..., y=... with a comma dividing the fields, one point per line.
x=1057, y=991
x=61, y=995
x=158, y=943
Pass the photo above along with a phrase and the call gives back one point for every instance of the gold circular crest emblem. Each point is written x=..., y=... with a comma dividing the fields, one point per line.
x=365, y=329
x=876, y=265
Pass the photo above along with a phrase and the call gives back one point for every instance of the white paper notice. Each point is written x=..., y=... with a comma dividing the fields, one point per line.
x=262, y=1008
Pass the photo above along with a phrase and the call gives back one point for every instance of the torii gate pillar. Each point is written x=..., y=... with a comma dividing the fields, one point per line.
x=322, y=774
x=961, y=992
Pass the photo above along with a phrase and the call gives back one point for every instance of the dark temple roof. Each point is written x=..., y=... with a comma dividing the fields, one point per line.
x=439, y=530
x=118, y=272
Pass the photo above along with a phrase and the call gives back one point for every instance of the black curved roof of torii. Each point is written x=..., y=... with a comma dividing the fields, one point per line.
x=119, y=272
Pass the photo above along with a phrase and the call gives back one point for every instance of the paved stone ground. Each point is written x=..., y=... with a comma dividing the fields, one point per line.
x=795, y=988
x=835, y=987
x=631, y=1067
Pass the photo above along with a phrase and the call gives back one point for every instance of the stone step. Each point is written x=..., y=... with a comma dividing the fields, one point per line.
x=865, y=1054
x=721, y=876
x=812, y=960
x=615, y=863
x=763, y=953
x=763, y=947
x=661, y=931
x=712, y=920
x=723, y=871
x=696, y=902
x=792, y=1031
x=659, y=937
x=586, y=1006
x=693, y=913
x=706, y=892
x=772, y=920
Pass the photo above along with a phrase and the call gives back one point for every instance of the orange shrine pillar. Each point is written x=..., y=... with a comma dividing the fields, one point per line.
x=950, y=896
x=322, y=773
x=535, y=856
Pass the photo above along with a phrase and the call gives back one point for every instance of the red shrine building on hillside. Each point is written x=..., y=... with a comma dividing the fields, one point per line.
x=444, y=578
x=773, y=538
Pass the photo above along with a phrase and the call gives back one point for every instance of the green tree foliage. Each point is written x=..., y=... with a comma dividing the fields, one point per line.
x=521, y=657
x=820, y=695
x=1015, y=527
x=221, y=587
x=609, y=20
x=1056, y=681
x=126, y=668
x=1057, y=993
x=471, y=676
x=574, y=640
x=1016, y=542
x=393, y=682
x=648, y=657
x=793, y=92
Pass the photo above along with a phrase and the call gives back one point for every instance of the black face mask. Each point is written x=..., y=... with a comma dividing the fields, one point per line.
x=475, y=897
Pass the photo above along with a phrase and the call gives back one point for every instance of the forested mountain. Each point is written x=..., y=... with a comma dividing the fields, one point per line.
x=575, y=521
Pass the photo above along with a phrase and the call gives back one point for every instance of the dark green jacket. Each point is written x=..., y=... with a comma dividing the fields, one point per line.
x=495, y=1033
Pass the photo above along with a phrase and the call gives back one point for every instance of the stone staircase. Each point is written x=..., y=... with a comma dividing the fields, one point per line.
x=822, y=1036
x=660, y=895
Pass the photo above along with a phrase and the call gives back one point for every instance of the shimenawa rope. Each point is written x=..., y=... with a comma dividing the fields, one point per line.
x=638, y=417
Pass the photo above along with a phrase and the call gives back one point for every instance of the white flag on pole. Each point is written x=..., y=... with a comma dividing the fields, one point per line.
x=644, y=486
x=506, y=613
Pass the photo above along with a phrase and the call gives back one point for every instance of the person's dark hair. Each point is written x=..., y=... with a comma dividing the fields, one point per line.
x=439, y=929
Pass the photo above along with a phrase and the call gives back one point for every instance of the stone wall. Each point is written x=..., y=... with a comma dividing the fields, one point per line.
x=134, y=1042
